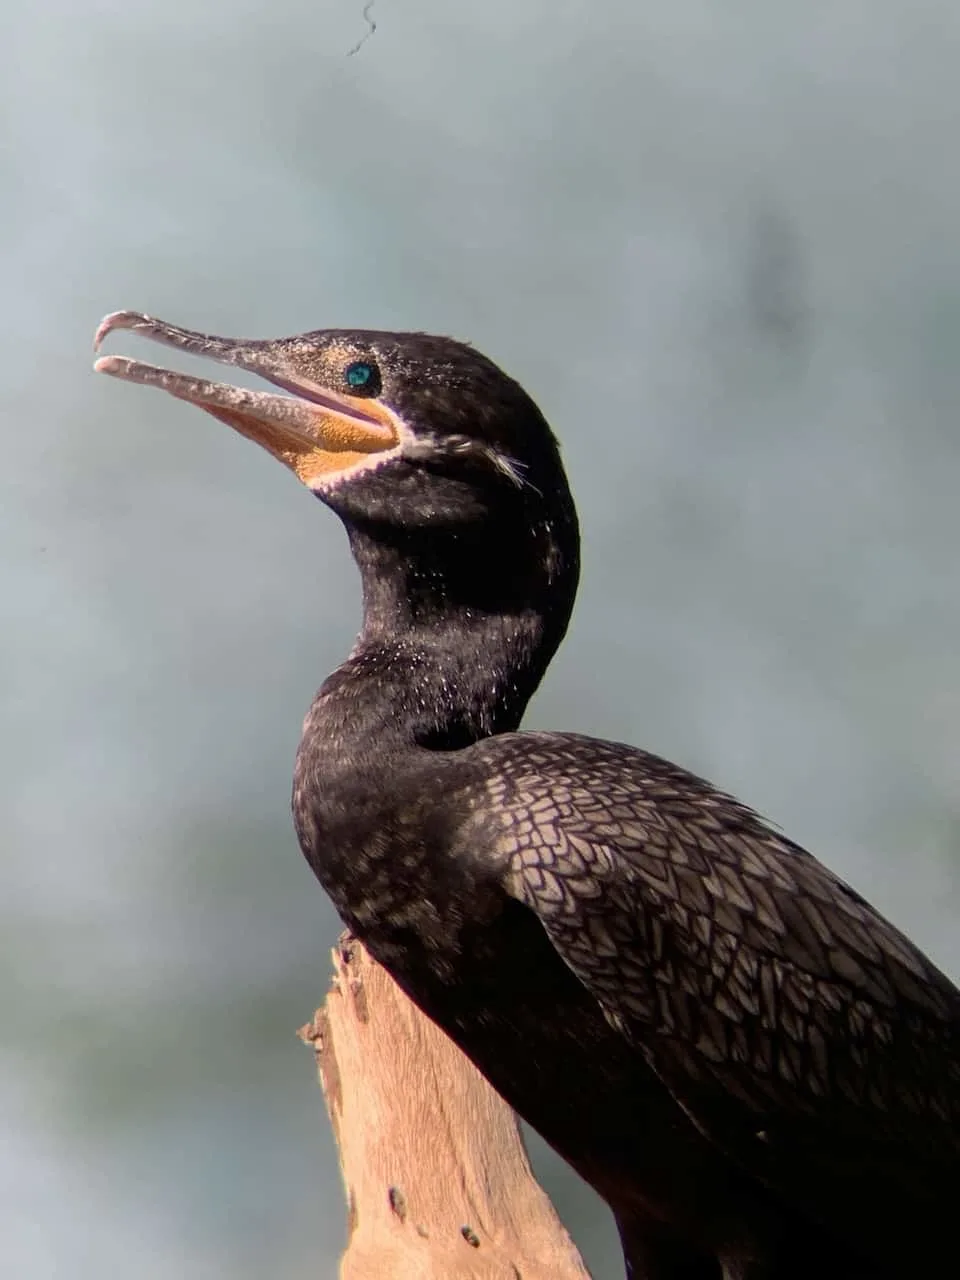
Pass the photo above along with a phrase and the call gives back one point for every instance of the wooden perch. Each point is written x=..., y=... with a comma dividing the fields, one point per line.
x=438, y=1182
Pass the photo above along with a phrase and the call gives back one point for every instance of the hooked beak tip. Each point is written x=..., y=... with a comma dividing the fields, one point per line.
x=117, y=320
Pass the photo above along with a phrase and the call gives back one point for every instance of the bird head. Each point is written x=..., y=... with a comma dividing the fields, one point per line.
x=448, y=481
x=400, y=429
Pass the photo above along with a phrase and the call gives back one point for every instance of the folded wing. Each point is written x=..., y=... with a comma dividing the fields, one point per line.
x=799, y=1030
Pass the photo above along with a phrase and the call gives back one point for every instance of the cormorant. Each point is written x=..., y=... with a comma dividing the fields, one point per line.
x=757, y=1071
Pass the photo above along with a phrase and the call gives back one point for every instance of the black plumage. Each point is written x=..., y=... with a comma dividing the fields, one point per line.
x=757, y=1071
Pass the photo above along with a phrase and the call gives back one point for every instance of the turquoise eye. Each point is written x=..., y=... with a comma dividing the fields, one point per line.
x=362, y=376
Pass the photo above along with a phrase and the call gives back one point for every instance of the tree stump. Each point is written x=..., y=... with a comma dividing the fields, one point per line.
x=437, y=1178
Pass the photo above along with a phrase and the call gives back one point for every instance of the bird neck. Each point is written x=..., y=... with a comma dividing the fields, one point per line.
x=458, y=630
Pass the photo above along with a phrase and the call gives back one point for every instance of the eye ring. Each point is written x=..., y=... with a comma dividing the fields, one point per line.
x=362, y=378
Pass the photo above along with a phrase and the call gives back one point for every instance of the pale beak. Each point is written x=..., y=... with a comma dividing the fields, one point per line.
x=315, y=431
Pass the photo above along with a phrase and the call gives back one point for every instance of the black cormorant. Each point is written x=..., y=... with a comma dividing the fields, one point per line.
x=755, y=1069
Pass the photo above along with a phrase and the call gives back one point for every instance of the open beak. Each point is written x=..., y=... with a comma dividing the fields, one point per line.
x=316, y=432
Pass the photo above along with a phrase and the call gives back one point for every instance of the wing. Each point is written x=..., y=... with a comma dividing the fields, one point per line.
x=797, y=1028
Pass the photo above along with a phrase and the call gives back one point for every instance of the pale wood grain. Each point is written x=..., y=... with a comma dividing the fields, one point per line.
x=438, y=1182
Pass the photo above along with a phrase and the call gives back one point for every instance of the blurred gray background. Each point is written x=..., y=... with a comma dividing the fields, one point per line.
x=721, y=246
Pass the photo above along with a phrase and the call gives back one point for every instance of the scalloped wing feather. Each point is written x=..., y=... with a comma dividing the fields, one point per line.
x=798, y=1028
